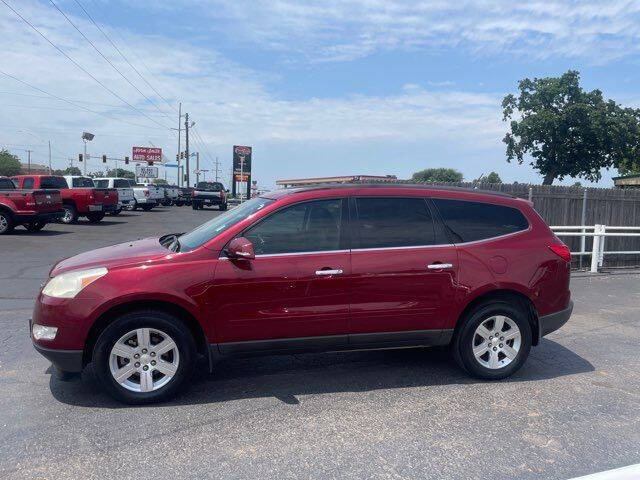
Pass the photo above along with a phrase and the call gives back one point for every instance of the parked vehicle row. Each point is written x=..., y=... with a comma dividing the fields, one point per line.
x=33, y=208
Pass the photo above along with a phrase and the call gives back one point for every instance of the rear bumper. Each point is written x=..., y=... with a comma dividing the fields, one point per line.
x=39, y=217
x=553, y=321
x=210, y=200
x=65, y=360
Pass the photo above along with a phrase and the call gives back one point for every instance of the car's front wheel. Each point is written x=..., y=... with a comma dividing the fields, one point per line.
x=34, y=226
x=144, y=357
x=6, y=222
x=494, y=341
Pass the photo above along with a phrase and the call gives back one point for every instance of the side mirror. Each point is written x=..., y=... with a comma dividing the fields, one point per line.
x=241, y=247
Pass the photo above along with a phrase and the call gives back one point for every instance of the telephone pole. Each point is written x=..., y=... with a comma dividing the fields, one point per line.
x=29, y=160
x=50, y=157
x=186, y=140
x=217, y=168
x=197, y=167
x=180, y=179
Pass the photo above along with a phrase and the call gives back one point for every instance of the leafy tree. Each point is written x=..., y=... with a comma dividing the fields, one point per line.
x=567, y=131
x=121, y=173
x=9, y=164
x=160, y=181
x=96, y=174
x=493, y=177
x=68, y=171
x=437, y=175
x=577, y=184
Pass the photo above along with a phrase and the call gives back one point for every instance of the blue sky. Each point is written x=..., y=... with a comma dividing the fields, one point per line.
x=317, y=88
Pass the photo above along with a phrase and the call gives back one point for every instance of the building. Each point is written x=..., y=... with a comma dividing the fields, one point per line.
x=300, y=182
x=34, y=169
x=628, y=181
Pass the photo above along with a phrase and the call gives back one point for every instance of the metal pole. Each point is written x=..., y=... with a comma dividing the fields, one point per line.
x=582, y=222
x=84, y=157
x=595, y=251
x=29, y=160
x=180, y=182
x=197, y=167
x=241, y=178
x=50, y=157
x=531, y=194
x=217, y=166
x=186, y=143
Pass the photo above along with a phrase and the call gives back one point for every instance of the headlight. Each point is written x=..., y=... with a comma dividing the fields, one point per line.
x=68, y=285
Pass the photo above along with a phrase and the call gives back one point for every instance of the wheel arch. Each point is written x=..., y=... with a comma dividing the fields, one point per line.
x=505, y=295
x=127, y=307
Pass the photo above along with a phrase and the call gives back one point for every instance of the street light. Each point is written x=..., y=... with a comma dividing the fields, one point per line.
x=86, y=137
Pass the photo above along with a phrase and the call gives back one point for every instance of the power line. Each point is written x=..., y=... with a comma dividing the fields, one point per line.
x=74, y=100
x=73, y=103
x=106, y=59
x=78, y=65
x=122, y=54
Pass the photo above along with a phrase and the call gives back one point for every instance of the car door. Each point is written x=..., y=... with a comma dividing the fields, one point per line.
x=294, y=294
x=403, y=272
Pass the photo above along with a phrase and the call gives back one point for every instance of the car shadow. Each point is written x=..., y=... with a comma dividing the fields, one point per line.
x=289, y=376
x=42, y=233
x=101, y=223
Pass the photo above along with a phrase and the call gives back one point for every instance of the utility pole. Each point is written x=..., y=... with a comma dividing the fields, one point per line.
x=84, y=158
x=197, y=167
x=29, y=160
x=180, y=179
x=186, y=140
x=217, y=168
x=50, y=157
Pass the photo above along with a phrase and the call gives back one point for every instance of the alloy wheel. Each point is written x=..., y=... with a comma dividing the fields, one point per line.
x=4, y=223
x=144, y=360
x=496, y=342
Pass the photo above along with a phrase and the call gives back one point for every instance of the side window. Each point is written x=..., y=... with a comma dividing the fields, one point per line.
x=303, y=227
x=28, y=183
x=392, y=222
x=470, y=221
x=101, y=183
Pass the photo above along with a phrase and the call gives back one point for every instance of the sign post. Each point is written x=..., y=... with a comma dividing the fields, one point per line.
x=241, y=171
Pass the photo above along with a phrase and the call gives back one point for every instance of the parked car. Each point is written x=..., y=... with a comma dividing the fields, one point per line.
x=145, y=195
x=125, y=192
x=171, y=194
x=80, y=198
x=209, y=193
x=311, y=269
x=184, y=196
x=31, y=208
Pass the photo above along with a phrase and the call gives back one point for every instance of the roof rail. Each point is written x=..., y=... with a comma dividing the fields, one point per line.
x=423, y=186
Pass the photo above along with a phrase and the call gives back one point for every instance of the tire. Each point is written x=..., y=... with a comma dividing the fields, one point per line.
x=6, y=222
x=179, y=361
x=70, y=214
x=117, y=212
x=223, y=207
x=146, y=208
x=502, y=355
x=134, y=207
x=95, y=217
x=194, y=205
x=34, y=226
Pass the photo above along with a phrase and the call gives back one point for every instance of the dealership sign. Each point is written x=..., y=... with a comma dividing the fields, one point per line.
x=146, y=172
x=241, y=169
x=146, y=154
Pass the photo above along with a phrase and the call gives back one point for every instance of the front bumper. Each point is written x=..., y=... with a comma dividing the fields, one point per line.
x=553, y=321
x=39, y=217
x=65, y=360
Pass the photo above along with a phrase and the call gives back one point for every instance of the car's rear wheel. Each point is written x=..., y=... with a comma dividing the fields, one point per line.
x=6, y=222
x=70, y=214
x=34, y=226
x=494, y=341
x=95, y=217
x=223, y=206
x=144, y=357
x=147, y=207
x=117, y=212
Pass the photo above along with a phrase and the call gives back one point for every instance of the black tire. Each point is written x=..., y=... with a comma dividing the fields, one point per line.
x=70, y=214
x=117, y=212
x=146, y=208
x=95, y=217
x=135, y=206
x=463, y=343
x=154, y=319
x=34, y=226
x=6, y=222
x=223, y=207
x=194, y=205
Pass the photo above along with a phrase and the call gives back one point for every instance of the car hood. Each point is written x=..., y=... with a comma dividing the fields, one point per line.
x=116, y=255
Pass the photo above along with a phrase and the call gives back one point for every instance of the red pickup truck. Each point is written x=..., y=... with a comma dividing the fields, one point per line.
x=80, y=199
x=31, y=208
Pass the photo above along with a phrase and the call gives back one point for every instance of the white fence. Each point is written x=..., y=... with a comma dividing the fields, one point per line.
x=599, y=234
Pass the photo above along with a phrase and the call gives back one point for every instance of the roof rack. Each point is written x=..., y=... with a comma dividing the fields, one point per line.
x=423, y=186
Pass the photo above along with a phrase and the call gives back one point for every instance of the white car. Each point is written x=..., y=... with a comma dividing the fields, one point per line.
x=145, y=195
x=125, y=192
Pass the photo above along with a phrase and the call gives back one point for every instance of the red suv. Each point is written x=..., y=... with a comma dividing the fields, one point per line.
x=313, y=269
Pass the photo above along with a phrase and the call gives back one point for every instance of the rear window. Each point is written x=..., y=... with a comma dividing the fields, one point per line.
x=53, y=183
x=471, y=221
x=6, y=184
x=215, y=186
x=82, y=182
x=119, y=183
x=101, y=183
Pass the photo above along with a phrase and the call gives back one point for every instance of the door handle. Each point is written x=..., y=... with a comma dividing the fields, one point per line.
x=439, y=266
x=328, y=272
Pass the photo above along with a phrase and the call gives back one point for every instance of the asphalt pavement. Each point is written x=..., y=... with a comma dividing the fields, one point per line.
x=573, y=409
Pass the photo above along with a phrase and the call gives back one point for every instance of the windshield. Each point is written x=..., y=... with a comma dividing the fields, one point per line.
x=219, y=224
x=214, y=186
x=82, y=182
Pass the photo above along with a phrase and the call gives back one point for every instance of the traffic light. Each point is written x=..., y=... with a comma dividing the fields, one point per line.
x=181, y=154
x=177, y=157
x=79, y=157
x=104, y=159
x=126, y=160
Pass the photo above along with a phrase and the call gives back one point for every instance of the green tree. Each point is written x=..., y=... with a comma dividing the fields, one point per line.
x=68, y=171
x=160, y=181
x=9, y=164
x=437, y=175
x=121, y=173
x=493, y=177
x=567, y=131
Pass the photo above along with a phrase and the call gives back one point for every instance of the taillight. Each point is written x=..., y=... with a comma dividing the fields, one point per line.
x=146, y=192
x=193, y=193
x=562, y=251
x=222, y=194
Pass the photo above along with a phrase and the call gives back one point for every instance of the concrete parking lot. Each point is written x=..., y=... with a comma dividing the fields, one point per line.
x=573, y=409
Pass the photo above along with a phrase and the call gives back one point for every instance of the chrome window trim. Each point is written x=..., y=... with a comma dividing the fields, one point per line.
x=289, y=254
